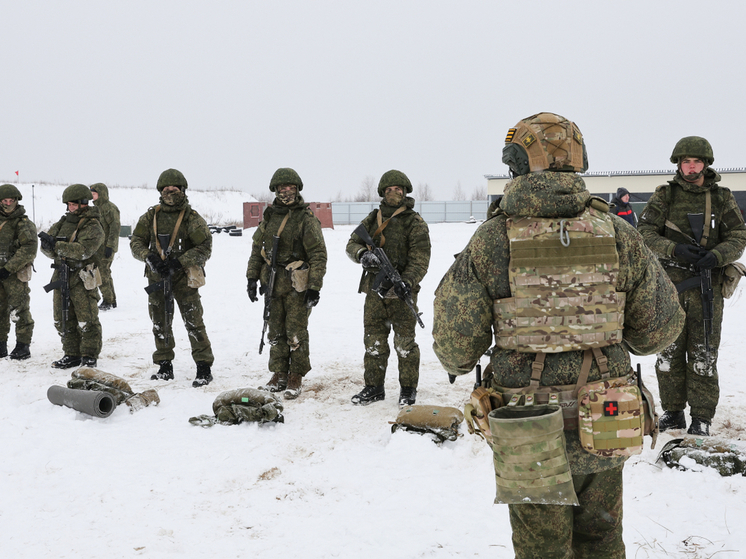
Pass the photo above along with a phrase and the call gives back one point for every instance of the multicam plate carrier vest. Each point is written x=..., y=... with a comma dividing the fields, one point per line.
x=563, y=275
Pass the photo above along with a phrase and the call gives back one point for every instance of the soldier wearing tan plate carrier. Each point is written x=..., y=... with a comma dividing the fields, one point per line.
x=568, y=290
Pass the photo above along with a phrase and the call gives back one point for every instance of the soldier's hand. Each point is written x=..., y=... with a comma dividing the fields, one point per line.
x=369, y=260
x=708, y=260
x=4, y=274
x=312, y=298
x=173, y=264
x=153, y=261
x=402, y=290
x=47, y=241
x=251, y=290
x=108, y=251
x=688, y=253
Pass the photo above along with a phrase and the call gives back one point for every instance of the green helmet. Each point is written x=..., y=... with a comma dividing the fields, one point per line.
x=285, y=175
x=10, y=191
x=693, y=146
x=77, y=194
x=393, y=178
x=171, y=177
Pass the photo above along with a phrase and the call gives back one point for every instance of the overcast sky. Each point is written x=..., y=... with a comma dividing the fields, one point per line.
x=227, y=92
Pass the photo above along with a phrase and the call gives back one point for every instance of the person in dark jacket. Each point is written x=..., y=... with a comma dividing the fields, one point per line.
x=621, y=207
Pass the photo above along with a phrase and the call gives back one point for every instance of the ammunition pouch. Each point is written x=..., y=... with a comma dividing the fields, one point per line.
x=530, y=455
x=24, y=274
x=91, y=277
x=195, y=276
x=298, y=271
x=732, y=274
x=441, y=422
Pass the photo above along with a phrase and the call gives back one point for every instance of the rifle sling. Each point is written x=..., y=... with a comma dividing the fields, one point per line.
x=163, y=254
x=382, y=224
x=279, y=232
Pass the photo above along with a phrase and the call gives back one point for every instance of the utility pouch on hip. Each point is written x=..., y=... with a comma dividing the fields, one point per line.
x=611, y=417
x=477, y=409
x=24, y=274
x=195, y=276
x=731, y=275
x=298, y=275
x=530, y=455
x=91, y=277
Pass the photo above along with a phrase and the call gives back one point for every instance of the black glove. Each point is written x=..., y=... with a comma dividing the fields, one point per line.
x=251, y=290
x=688, y=253
x=173, y=264
x=47, y=241
x=312, y=298
x=153, y=261
x=108, y=251
x=402, y=290
x=708, y=260
x=4, y=274
x=369, y=260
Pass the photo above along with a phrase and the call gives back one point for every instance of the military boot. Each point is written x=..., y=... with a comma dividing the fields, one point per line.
x=88, y=361
x=672, y=420
x=3, y=349
x=204, y=375
x=67, y=362
x=368, y=395
x=407, y=396
x=106, y=306
x=699, y=427
x=277, y=383
x=21, y=351
x=166, y=371
x=294, y=386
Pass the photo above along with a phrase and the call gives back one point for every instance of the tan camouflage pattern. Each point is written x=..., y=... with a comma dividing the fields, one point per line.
x=439, y=421
x=550, y=140
x=87, y=378
x=611, y=435
x=530, y=459
x=564, y=297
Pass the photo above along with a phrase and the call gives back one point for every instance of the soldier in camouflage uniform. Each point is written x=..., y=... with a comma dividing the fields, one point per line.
x=544, y=152
x=110, y=223
x=74, y=240
x=686, y=371
x=18, y=245
x=405, y=238
x=301, y=248
x=189, y=248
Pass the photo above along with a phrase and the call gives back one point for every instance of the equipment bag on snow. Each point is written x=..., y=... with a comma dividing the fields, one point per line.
x=87, y=378
x=441, y=422
x=242, y=404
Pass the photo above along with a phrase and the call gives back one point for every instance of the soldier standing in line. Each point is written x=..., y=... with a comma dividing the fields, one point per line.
x=499, y=285
x=674, y=226
x=18, y=246
x=300, y=269
x=73, y=242
x=187, y=248
x=110, y=223
x=404, y=236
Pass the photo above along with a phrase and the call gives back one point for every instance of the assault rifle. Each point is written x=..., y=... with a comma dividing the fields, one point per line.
x=270, y=289
x=387, y=272
x=165, y=285
x=63, y=284
x=697, y=222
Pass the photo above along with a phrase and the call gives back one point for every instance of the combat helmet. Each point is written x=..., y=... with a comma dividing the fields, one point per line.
x=10, y=191
x=77, y=194
x=693, y=146
x=545, y=141
x=171, y=177
x=285, y=175
x=393, y=178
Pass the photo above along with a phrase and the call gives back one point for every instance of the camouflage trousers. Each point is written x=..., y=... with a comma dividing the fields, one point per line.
x=380, y=315
x=686, y=374
x=107, y=283
x=190, y=308
x=588, y=531
x=15, y=300
x=81, y=334
x=289, y=350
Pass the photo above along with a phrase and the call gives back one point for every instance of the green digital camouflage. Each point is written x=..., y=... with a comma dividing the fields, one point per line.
x=192, y=247
x=111, y=224
x=302, y=240
x=285, y=175
x=18, y=247
x=82, y=335
x=686, y=374
x=693, y=146
x=728, y=458
x=87, y=378
x=242, y=404
x=394, y=178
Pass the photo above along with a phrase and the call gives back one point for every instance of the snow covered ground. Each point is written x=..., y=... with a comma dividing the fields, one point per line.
x=332, y=481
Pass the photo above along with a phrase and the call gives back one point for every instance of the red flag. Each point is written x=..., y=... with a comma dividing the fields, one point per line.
x=17, y=173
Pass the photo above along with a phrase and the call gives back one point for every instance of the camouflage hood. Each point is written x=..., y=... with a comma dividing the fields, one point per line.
x=545, y=194
x=103, y=193
x=711, y=180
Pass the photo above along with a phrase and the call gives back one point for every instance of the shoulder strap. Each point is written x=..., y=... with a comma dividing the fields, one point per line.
x=173, y=235
x=382, y=224
x=75, y=233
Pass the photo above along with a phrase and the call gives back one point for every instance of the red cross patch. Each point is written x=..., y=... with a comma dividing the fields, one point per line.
x=611, y=409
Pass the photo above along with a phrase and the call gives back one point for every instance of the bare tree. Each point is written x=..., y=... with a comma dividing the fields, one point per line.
x=480, y=193
x=368, y=190
x=458, y=192
x=423, y=192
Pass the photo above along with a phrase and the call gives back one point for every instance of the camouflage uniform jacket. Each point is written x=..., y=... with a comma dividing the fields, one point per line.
x=109, y=219
x=672, y=202
x=301, y=239
x=83, y=250
x=463, y=316
x=18, y=241
x=191, y=247
x=407, y=244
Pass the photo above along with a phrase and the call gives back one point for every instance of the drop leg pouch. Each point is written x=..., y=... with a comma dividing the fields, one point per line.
x=530, y=456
